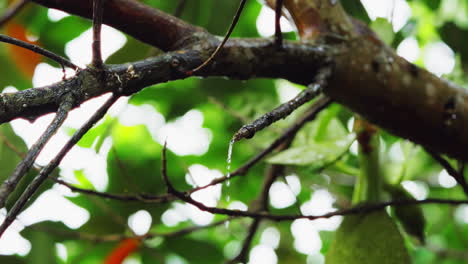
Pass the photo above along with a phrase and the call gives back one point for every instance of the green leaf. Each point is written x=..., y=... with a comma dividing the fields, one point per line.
x=316, y=155
x=384, y=29
x=411, y=217
x=368, y=239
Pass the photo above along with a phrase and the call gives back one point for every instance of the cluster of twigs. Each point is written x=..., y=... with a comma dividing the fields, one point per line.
x=257, y=213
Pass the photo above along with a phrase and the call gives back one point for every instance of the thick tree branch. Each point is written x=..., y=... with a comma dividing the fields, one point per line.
x=248, y=55
x=152, y=26
x=369, y=77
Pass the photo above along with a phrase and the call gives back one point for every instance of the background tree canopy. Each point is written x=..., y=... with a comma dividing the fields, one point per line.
x=285, y=192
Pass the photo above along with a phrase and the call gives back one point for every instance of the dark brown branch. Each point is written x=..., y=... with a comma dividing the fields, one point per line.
x=34, y=48
x=97, y=23
x=282, y=111
x=360, y=209
x=246, y=244
x=457, y=175
x=9, y=185
x=273, y=172
x=145, y=198
x=47, y=170
x=152, y=26
x=278, y=33
x=14, y=9
x=318, y=106
x=132, y=77
x=384, y=88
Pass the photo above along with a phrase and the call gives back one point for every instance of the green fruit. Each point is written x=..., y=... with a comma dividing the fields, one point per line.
x=368, y=239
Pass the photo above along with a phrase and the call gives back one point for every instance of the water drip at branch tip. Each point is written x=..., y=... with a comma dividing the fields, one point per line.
x=228, y=166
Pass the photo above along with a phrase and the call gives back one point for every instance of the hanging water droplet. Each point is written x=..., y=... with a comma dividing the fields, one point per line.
x=228, y=167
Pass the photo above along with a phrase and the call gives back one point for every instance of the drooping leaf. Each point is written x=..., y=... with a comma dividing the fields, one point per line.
x=411, y=217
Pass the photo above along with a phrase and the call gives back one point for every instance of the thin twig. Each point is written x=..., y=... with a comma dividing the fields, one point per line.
x=11, y=146
x=360, y=209
x=180, y=8
x=14, y=9
x=318, y=106
x=271, y=175
x=282, y=111
x=459, y=177
x=34, y=48
x=278, y=33
x=145, y=198
x=98, y=10
x=225, y=39
x=244, y=252
x=9, y=185
x=45, y=172
x=164, y=198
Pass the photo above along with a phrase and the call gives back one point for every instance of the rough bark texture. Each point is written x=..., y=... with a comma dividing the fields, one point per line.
x=369, y=77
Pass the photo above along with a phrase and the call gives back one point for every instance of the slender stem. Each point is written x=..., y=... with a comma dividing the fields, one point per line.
x=278, y=33
x=226, y=37
x=282, y=111
x=22, y=168
x=34, y=48
x=359, y=209
x=47, y=170
x=457, y=175
x=314, y=110
x=98, y=10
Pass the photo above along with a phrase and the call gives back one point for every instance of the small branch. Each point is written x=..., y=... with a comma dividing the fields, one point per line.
x=244, y=252
x=14, y=9
x=271, y=175
x=22, y=168
x=34, y=48
x=362, y=209
x=145, y=198
x=278, y=33
x=318, y=106
x=459, y=177
x=45, y=172
x=11, y=146
x=98, y=10
x=282, y=111
x=226, y=37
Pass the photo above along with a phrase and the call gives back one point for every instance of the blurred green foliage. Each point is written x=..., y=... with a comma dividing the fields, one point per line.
x=320, y=156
